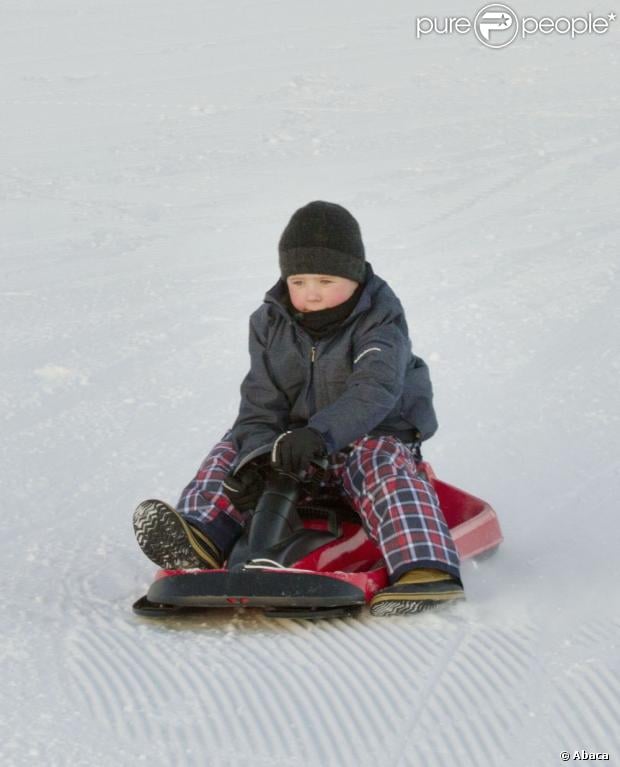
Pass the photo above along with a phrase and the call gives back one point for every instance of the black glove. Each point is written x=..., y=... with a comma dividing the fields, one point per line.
x=294, y=450
x=245, y=488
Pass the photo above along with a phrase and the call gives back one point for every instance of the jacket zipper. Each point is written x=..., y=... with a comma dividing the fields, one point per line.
x=312, y=402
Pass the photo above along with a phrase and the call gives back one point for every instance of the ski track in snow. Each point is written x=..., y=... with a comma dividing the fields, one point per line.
x=147, y=171
x=245, y=687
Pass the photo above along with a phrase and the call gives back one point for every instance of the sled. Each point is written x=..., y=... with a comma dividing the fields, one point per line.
x=310, y=558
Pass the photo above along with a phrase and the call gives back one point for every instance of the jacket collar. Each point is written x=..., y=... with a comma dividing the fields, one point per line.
x=274, y=296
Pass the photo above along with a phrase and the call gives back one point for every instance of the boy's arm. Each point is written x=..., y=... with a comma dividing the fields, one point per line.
x=263, y=413
x=373, y=388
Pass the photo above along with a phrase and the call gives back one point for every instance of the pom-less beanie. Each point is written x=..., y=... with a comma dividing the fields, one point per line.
x=322, y=238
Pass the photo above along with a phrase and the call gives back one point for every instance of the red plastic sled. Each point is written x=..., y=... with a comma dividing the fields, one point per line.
x=327, y=568
x=473, y=523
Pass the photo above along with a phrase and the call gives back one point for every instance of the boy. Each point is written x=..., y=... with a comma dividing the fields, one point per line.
x=332, y=374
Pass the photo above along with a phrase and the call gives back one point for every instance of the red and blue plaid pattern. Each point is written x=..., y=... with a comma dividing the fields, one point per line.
x=399, y=510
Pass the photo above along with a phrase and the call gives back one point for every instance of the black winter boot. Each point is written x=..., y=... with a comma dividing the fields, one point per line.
x=169, y=541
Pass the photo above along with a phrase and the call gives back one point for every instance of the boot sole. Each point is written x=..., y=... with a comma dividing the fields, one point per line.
x=398, y=605
x=167, y=540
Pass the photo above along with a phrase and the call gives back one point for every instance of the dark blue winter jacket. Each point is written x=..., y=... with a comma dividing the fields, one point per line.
x=361, y=380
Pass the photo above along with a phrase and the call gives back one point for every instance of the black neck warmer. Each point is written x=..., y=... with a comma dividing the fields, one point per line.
x=324, y=322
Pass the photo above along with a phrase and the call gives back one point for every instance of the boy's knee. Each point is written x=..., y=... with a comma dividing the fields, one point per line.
x=219, y=461
x=223, y=451
x=378, y=450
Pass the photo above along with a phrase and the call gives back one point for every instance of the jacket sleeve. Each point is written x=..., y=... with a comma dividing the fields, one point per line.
x=263, y=412
x=374, y=387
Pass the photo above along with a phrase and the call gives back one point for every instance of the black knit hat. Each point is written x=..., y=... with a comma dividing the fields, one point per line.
x=322, y=238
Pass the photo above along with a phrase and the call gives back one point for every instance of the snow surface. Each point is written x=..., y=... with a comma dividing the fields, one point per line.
x=151, y=154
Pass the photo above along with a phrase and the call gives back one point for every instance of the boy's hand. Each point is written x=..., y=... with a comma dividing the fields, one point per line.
x=244, y=491
x=293, y=450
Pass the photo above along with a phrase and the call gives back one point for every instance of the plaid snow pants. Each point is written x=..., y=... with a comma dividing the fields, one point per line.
x=399, y=510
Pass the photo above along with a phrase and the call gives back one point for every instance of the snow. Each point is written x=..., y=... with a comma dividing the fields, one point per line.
x=151, y=154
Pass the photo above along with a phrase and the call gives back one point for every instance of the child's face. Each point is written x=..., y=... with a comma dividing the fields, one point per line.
x=312, y=292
